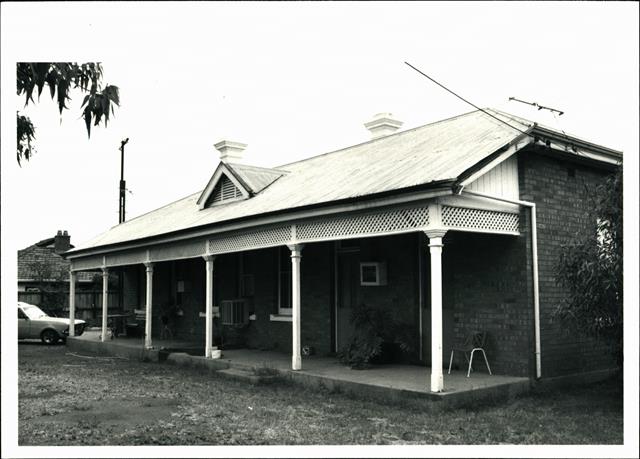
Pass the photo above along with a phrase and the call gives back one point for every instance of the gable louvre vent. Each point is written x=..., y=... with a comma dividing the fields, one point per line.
x=225, y=190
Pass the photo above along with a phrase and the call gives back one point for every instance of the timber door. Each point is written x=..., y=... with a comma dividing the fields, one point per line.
x=348, y=289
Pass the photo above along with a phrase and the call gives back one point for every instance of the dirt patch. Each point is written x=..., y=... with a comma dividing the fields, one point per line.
x=117, y=412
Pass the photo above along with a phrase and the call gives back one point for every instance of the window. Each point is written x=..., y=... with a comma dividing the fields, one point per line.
x=245, y=279
x=232, y=312
x=284, y=282
x=373, y=273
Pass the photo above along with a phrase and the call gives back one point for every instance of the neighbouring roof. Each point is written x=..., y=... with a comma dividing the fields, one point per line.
x=39, y=262
x=430, y=154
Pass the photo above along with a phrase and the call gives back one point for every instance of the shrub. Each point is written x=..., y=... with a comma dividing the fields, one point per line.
x=373, y=330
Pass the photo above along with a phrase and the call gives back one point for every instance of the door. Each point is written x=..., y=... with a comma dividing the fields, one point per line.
x=348, y=287
x=24, y=325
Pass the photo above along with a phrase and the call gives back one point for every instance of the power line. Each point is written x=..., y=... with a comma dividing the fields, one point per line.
x=465, y=100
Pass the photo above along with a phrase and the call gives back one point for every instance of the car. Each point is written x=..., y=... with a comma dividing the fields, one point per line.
x=33, y=322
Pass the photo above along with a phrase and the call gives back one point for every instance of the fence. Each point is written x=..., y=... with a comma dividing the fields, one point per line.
x=88, y=303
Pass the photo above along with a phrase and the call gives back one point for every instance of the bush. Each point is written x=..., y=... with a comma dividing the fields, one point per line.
x=375, y=335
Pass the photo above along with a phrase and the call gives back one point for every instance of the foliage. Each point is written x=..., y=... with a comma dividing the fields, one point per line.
x=50, y=279
x=61, y=77
x=373, y=328
x=67, y=399
x=26, y=134
x=591, y=270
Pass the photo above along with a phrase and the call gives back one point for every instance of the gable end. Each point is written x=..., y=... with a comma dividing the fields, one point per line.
x=223, y=187
x=225, y=190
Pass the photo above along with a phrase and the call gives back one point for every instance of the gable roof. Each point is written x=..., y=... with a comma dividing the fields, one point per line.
x=433, y=154
x=249, y=180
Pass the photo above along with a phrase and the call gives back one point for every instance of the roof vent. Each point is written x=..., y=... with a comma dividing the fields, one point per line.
x=230, y=152
x=382, y=124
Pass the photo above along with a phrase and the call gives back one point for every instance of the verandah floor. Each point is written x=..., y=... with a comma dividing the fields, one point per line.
x=329, y=372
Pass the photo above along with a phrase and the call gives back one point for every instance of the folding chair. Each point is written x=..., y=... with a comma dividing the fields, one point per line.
x=472, y=343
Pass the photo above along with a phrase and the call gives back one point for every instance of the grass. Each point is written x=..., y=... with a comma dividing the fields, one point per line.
x=68, y=400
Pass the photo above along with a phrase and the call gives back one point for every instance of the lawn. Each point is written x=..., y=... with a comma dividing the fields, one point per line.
x=67, y=399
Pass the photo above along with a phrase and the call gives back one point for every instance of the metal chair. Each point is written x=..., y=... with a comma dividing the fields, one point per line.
x=473, y=342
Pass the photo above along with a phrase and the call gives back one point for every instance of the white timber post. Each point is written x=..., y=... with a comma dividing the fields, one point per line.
x=296, y=255
x=209, y=259
x=435, y=252
x=105, y=302
x=147, y=324
x=72, y=303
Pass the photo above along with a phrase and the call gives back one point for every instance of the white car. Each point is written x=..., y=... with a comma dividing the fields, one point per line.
x=33, y=322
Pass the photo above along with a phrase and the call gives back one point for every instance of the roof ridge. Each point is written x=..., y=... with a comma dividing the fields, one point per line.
x=380, y=138
x=251, y=166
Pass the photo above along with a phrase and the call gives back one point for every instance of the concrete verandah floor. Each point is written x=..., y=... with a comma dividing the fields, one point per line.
x=329, y=372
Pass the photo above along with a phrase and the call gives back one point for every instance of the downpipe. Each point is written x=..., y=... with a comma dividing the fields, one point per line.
x=534, y=256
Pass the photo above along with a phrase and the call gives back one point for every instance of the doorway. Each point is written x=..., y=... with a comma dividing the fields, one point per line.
x=347, y=290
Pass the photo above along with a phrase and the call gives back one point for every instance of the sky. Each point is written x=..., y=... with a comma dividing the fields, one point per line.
x=291, y=80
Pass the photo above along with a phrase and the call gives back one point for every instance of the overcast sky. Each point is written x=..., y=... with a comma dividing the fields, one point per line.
x=291, y=80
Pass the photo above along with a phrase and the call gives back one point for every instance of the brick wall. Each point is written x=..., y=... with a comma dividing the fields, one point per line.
x=485, y=287
x=562, y=204
x=316, y=300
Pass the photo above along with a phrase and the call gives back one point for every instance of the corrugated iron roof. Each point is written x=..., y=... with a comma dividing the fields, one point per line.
x=255, y=178
x=432, y=153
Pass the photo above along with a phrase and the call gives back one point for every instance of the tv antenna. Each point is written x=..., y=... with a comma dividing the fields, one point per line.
x=540, y=107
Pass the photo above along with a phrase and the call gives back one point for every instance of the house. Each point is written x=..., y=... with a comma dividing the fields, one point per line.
x=450, y=227
x=43, y=278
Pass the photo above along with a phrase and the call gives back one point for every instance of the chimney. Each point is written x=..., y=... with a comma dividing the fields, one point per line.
x=230, y=152
x=382, y=124
x=61, y=242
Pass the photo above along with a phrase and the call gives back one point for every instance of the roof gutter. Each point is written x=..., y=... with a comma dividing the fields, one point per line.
x=534, y=262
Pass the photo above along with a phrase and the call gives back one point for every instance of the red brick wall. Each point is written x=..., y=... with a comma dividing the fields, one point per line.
x=562, y=205
x=485, y=285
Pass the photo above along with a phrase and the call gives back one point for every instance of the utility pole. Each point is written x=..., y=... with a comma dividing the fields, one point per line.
x=121, y=215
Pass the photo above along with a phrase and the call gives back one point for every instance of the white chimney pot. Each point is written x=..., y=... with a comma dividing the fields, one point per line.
x=230, y=152
x=382, y=124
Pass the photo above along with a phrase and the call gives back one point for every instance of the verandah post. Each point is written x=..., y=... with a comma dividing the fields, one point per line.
x=209, y=259
x=72, y=303
x=296, y=255
x=435, y=252
x=105, y=302
x=147, y=324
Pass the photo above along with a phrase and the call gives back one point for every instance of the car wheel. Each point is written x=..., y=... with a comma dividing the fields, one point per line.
x=49, y=336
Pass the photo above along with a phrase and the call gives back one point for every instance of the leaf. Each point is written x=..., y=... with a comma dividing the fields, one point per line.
x=87, y=120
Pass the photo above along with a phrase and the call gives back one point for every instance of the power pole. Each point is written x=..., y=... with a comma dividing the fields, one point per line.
x=121, y=215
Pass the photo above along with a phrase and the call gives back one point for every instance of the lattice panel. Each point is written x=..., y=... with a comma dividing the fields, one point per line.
x=127, y=258
x=478, y=219
x=93, y=262
x=268, y=237
x=176, y=251
x=374, y=223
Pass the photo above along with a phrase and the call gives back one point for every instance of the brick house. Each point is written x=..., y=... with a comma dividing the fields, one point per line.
x=43, y=278
x=451, y=227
